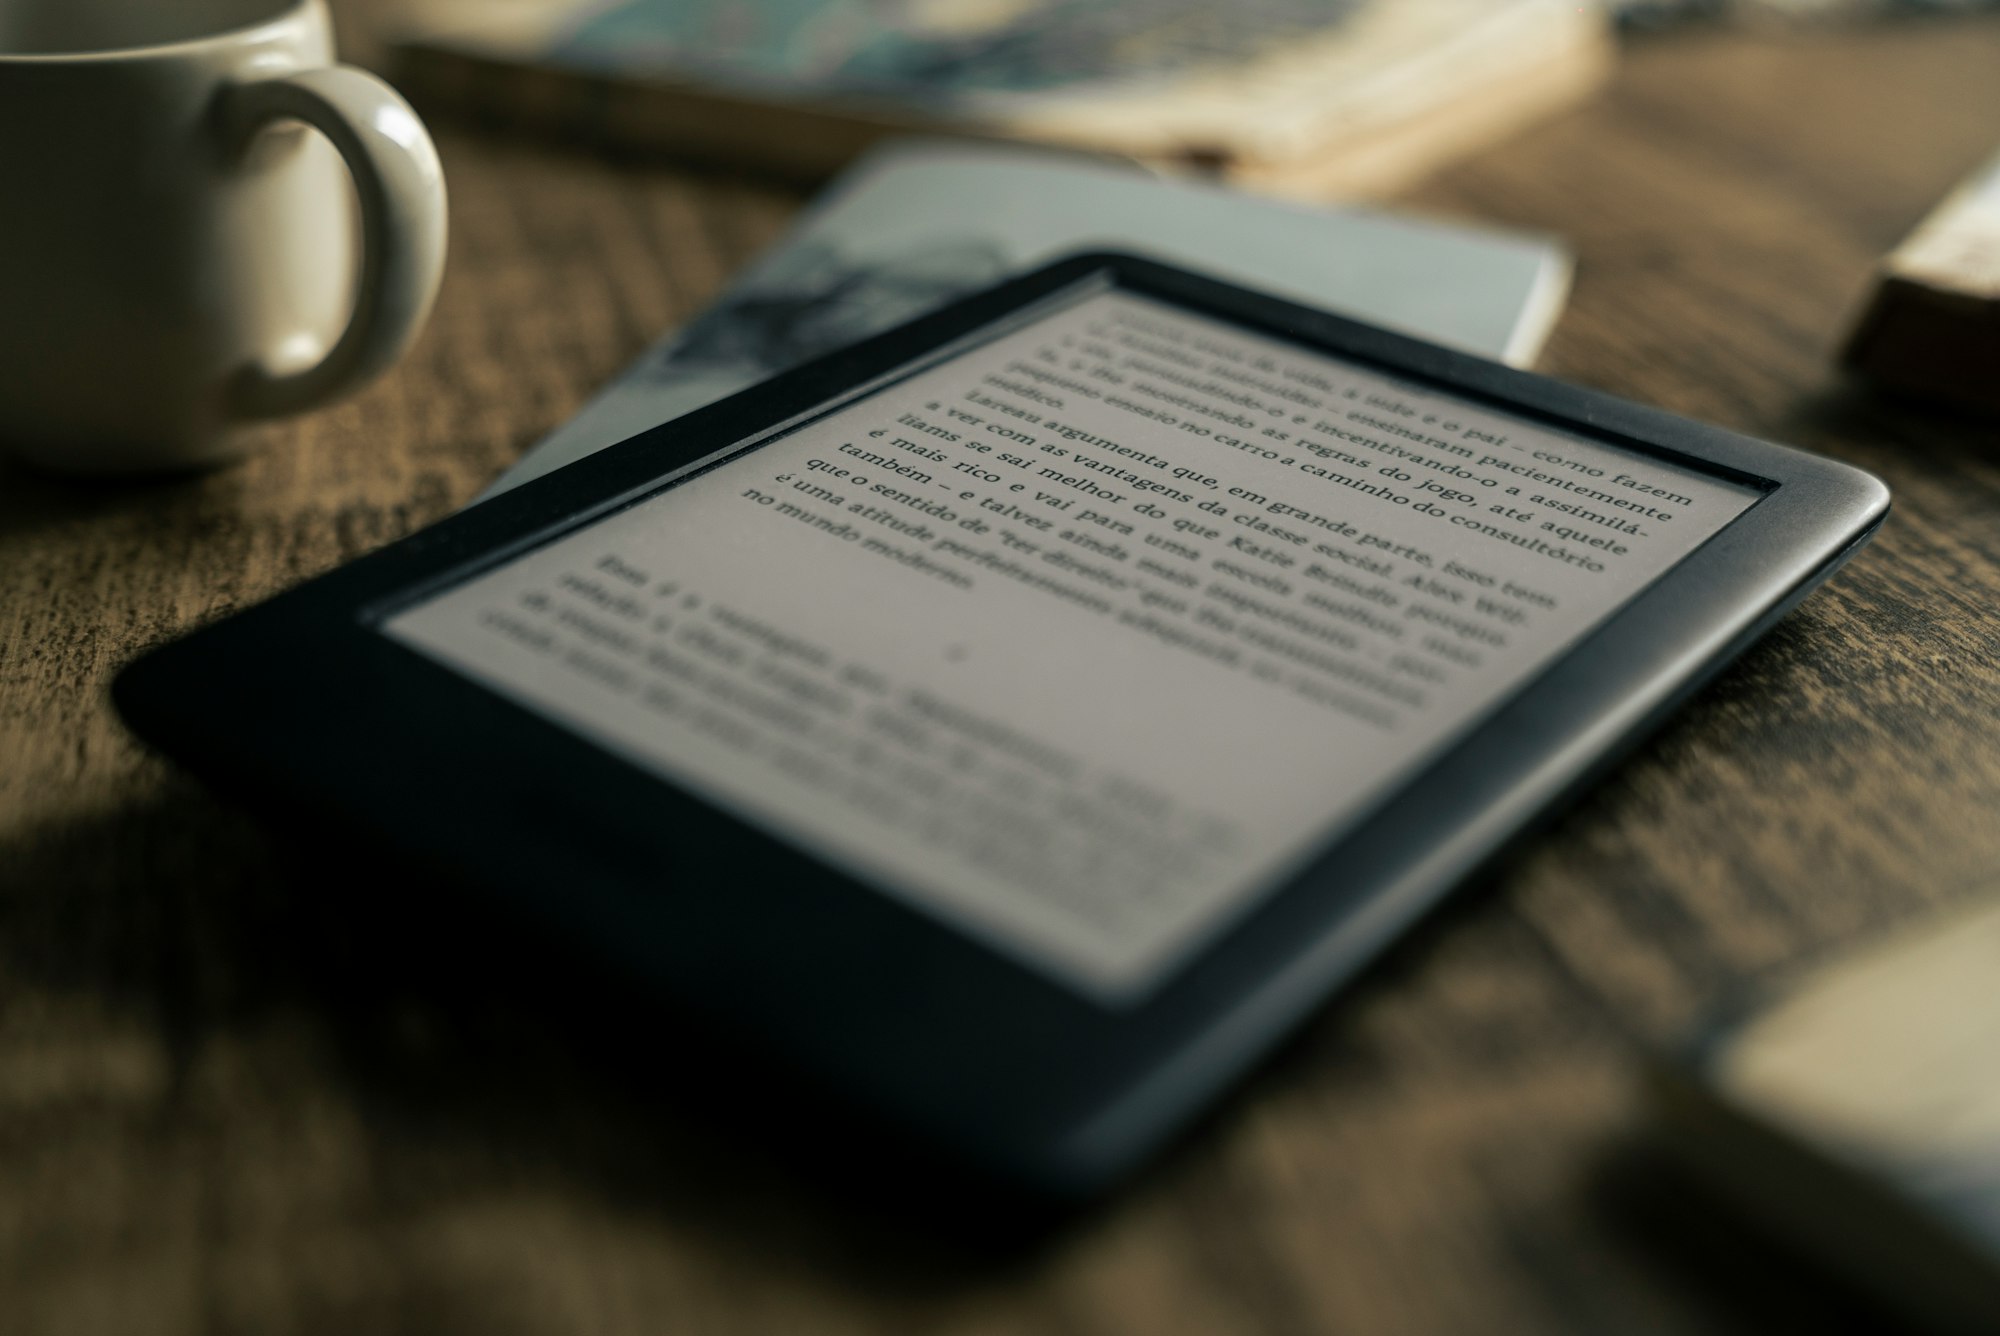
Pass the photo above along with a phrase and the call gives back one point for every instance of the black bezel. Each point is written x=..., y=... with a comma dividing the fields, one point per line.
x=301, y=707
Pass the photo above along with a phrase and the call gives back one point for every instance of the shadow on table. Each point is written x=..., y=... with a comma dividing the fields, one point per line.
x=32, y=499
x=1888, y=432
x=1747, y=1277
x=479, y=1059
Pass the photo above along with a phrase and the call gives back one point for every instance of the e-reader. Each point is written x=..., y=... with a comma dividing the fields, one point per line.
x=1018, y=721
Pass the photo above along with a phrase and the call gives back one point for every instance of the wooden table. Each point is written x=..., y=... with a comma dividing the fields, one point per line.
x=222, y=1113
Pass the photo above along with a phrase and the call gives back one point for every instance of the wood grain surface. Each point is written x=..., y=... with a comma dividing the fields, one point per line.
x=226, y=1106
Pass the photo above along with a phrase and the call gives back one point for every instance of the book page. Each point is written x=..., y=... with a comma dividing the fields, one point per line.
x=1086, y=638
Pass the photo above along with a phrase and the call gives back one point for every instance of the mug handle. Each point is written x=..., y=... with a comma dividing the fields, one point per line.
x=400, y=184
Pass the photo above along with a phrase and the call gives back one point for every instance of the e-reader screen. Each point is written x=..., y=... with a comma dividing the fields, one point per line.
x=1083, y=638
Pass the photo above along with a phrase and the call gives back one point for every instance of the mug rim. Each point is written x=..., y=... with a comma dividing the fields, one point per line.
x=164, y=50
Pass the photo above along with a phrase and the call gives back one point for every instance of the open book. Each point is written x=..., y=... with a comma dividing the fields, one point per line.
x=1298, y=97
x=921, y=222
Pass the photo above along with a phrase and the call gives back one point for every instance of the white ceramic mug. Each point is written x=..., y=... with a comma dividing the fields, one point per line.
x=178, y=251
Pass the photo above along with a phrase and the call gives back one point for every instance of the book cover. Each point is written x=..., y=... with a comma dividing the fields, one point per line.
x=1289, y=96
x=921, y=222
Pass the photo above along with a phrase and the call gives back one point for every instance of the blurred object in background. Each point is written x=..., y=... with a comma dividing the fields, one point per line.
x=1932, y=327
x=1858, y=1111
x=918, y=223
x=1306, y=98
x=1649, y=13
